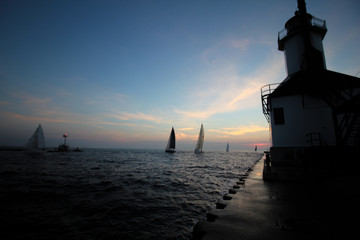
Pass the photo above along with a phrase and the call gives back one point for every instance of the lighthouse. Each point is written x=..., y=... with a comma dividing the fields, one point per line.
x=301, y=41
x=314, y=113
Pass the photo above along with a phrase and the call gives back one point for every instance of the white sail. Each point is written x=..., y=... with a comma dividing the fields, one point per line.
x=200, y=141
x=171, y=143
x=37, y=140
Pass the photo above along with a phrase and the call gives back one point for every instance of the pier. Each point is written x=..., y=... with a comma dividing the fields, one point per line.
x=308, y=185
x=315, y=207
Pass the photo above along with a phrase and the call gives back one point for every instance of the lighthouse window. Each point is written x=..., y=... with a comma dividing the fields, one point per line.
x=279, y=116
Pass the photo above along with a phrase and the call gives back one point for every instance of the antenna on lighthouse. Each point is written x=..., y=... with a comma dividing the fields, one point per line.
x=302, y=7
x=312, y=57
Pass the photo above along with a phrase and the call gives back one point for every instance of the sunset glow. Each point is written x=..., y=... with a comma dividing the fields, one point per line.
x=121, y=74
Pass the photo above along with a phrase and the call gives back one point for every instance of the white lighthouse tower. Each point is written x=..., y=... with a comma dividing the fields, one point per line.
x=314, y=113
x=301, y=41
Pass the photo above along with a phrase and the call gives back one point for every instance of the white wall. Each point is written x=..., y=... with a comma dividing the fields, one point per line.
x=294, y=51
x=303, y=115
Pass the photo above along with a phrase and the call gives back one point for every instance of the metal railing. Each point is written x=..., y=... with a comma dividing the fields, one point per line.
x=314, y=22
x=317, y=22
x=265, y=92
x=316, y=139
x=282, y=34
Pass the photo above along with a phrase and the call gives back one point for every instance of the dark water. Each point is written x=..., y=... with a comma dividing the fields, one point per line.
x=112, y=194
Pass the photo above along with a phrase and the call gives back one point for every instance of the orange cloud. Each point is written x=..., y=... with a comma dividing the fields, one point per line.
x=184, y=136
x=241, y=130
x=185, y=129
x=125, y=116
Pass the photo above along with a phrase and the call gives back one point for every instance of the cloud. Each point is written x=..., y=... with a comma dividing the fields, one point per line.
x=65, y=117
x=28, y=108
x=103, y=97
x=31, y=100
x=241, y=44
x=39, y=119
x=228, y=91
x=126, y=116
x=217, y=52
x=184, y=136
x=240, y=130
x=120, y=97
x=185, y=129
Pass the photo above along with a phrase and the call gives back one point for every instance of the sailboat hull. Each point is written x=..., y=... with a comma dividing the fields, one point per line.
x=170, y=151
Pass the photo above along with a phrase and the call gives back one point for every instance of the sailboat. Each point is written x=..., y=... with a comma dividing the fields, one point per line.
x=255, y=148
x=227, y=147
x=170, y=148
x=37, y=140
x=200, y=141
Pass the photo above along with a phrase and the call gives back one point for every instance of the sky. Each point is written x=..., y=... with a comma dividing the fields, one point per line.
x=120, y=74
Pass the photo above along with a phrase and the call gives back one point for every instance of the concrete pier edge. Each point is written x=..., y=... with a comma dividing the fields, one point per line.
x=198, y=229
x=315, y=207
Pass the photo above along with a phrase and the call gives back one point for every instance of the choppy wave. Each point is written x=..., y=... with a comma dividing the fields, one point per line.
x=113, y=194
